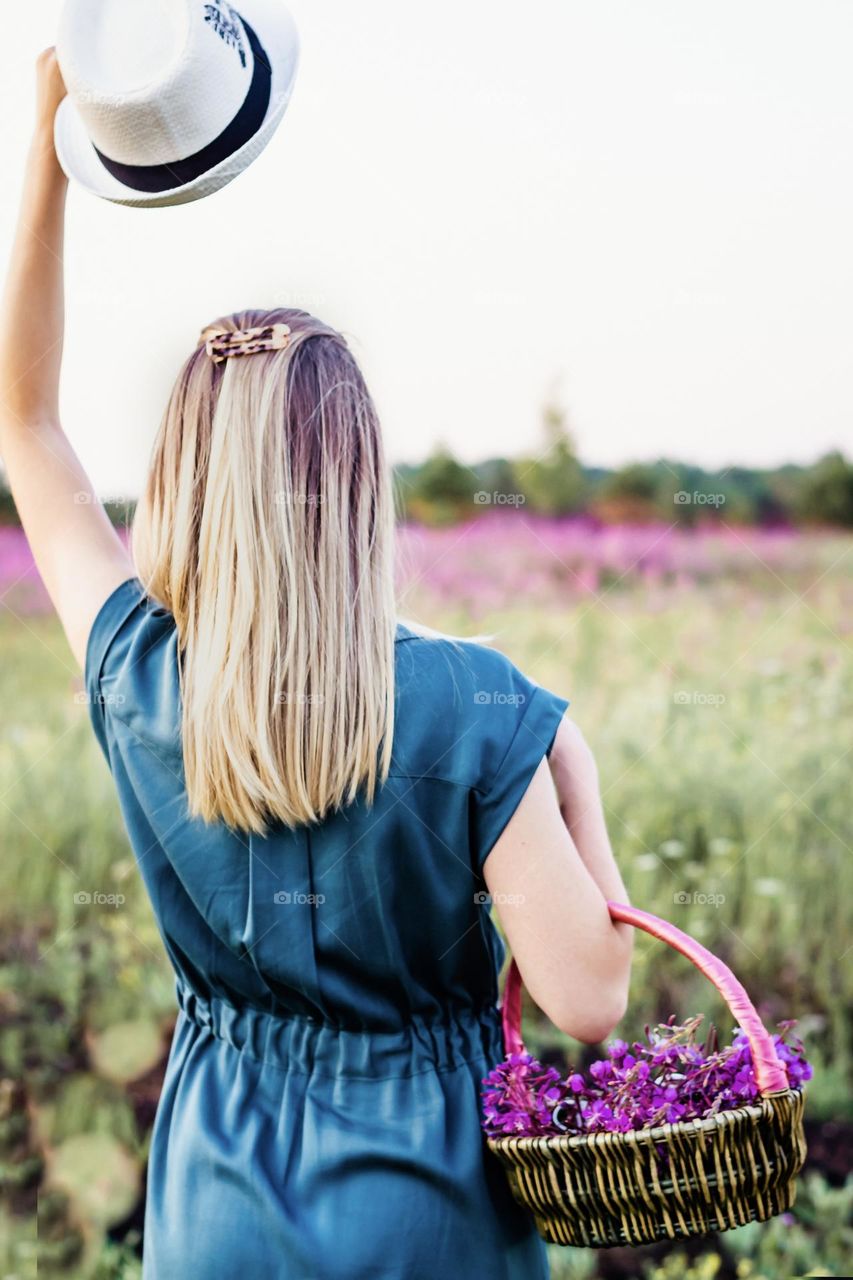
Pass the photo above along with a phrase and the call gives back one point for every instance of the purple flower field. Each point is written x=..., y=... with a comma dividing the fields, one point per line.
x=499, y=559
x=21, y=587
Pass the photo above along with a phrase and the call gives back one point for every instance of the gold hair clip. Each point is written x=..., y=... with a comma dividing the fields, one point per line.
x=220, y=343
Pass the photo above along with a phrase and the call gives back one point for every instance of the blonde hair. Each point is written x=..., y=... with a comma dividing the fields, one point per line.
x=266, y=528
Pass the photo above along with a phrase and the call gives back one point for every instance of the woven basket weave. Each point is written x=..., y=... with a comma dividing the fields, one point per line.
x=674, y=1181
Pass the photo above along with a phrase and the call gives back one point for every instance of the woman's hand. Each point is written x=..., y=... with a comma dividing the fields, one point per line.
x=50, y=90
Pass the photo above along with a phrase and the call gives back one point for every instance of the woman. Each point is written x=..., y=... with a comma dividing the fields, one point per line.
x=320, y=800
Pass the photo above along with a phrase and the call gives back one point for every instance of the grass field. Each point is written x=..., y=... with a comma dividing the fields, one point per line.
x=712, y=677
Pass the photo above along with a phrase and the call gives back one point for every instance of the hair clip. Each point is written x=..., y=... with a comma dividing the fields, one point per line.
x=220, y=344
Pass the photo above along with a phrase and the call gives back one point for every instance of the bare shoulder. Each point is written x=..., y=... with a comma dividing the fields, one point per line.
x=571, y=747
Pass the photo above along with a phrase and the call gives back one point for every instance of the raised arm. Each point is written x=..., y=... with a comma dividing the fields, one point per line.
x=79, y=554
x=551, y=874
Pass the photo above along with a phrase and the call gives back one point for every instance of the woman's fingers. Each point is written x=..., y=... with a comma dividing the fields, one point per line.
x=50, y=87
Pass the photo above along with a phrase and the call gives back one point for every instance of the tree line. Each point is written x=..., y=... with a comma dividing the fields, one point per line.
x=554, y=482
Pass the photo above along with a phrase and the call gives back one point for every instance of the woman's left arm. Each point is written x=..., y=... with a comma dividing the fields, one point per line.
x=78, y=553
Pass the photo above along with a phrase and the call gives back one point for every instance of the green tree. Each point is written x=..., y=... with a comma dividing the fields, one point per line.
x=634, y=492
x=442, y=489
x=638, y=482
x=553, y=483
x=826, y=493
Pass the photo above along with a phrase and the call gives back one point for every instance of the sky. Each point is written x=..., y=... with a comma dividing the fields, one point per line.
x=639, y=210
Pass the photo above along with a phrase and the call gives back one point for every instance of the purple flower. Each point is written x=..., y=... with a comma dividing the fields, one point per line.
x=520, y=1097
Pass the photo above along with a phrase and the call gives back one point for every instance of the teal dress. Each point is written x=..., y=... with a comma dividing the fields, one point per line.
x=337, y=984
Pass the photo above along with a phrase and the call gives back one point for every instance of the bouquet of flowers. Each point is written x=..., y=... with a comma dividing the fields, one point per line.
x=667, y=1078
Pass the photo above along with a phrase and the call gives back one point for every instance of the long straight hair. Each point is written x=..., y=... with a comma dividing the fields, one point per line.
x=266, y=528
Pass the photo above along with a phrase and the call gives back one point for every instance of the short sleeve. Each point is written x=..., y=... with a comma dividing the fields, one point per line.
x=112, y=617
x=521, y=748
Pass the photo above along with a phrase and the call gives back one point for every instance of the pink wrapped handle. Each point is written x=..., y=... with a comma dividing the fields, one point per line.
x=770, y=1074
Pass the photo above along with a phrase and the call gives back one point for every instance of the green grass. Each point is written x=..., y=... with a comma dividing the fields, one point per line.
x=721, y=725
x=733, y=794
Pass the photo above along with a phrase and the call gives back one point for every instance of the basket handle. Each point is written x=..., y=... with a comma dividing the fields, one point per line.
x=770, y=1074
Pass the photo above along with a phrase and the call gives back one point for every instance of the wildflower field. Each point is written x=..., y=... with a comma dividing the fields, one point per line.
x=712, y=674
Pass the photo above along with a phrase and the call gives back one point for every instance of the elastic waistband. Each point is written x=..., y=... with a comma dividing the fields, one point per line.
x=311, y=1047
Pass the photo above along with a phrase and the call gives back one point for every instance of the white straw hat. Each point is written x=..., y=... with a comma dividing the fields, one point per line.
x=169, y=100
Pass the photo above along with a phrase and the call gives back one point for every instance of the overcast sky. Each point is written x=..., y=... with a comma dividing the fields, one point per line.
x=642, y=208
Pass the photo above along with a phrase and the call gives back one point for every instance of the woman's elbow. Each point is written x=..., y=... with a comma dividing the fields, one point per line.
x=594, y=1024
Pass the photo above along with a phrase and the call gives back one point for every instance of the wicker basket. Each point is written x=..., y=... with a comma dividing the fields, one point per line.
x=677, y=1180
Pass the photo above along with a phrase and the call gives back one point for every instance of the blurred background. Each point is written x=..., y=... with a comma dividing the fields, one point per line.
x=595, y=259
